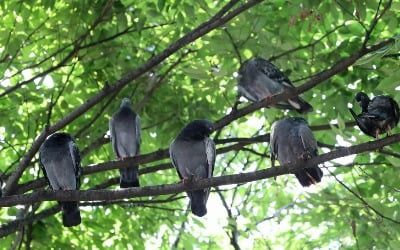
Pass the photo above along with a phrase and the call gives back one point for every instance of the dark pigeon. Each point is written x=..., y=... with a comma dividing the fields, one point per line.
x=378, y=116
x=293, y=142
x=193, y=155
x=259, y=79
x=126, y=137
x=61, y=164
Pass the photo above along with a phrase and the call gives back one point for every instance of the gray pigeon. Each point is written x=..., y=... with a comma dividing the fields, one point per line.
x=193, y=156
x=61, y=164
x=378, y=116
x=126, y=136
x=259, y=79
x=292, y=142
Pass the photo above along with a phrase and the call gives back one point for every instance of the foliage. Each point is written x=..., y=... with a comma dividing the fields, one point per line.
x=59, y=54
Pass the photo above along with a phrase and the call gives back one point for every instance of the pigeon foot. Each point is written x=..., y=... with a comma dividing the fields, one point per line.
x=305, y=156
x=267, y=98
x=377, y=134
x=389, y=131
x=188, y=180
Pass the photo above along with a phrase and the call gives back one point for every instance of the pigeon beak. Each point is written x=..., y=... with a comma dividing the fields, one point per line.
x=211, y=128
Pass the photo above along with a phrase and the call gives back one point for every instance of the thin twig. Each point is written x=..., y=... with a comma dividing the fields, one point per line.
x=362, y=200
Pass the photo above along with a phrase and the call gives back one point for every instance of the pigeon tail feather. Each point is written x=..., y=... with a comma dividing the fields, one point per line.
x=309, y=176
x=129, y=177
x=353, y=114
x=198, y=202
x=70, y=213
x=300, y=105
x=366, y=125
x=129, y=184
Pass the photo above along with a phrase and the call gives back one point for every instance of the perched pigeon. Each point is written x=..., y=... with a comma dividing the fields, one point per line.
x=125, y=133
x=378, y=116
x=292, y=142
x=60, y=161
x=193, y=155
x=259, y=79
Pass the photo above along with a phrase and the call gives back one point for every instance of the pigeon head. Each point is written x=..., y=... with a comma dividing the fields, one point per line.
x=125, y=102
x=249, y=66
x=363, y=100
x=197, y=130
x=360, y=96
x=296, y=120
x=58, y=138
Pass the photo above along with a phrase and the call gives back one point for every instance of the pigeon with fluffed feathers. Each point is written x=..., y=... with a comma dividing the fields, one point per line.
x=293, y=142
x=60, y=161
x=192, y=153
x=378, y=116
x=125, y=132
x=259, y=79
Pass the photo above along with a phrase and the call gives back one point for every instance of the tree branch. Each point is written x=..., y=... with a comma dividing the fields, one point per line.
x=234, y=231
x=273, y=58
x=363, y=201
x=200, y=184
x=15, y=225
x=163, y=154
x=235, y=47
x=375, y=21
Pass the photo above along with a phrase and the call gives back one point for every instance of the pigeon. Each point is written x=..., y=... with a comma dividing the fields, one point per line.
x=378, y=116
x=61, y=164
x=259, y=79
x=292, y=142
x=193, y=156
x=126, y=136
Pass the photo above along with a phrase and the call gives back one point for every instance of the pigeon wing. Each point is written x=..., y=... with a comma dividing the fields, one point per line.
x=210, y=155
x=273, y=72
x=307, y=140
x=113, y=137
x=76, y=160
x=173, y=159
x=138, y=128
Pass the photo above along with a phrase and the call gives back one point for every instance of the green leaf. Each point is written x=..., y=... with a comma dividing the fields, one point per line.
x=389, y=83
x=196, y=73
x=161, y=4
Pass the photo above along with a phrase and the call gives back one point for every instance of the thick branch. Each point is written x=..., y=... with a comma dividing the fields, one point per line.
x=163, y=154
x=128, y=162
x=205, y=183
